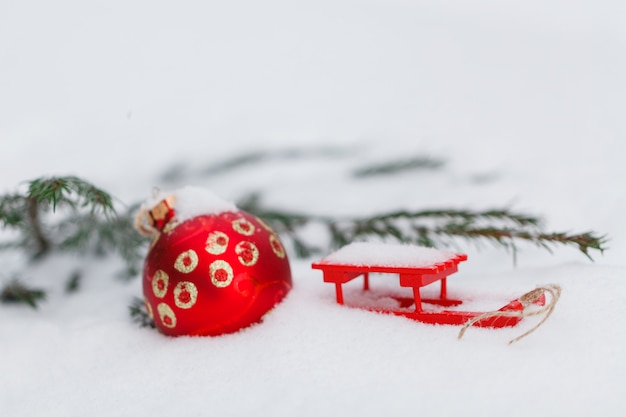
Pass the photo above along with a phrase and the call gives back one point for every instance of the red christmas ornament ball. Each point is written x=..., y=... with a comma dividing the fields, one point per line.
x=213, y=274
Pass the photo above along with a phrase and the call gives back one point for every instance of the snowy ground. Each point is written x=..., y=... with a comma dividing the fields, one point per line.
x=524, y=101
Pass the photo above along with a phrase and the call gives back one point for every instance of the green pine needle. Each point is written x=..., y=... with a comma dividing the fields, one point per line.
x=17, y=293
x=72, y=191
x=73, y=283
x=138, y=313
x=395, y=167
x=12, y=211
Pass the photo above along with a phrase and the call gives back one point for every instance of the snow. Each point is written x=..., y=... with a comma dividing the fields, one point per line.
x=191, y=201
x=387, y=254
x=524, y=102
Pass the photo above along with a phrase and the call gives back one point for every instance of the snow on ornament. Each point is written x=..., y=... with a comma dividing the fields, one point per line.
x=211, y=268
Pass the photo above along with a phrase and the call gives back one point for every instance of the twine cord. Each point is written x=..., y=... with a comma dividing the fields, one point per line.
x=527, y=300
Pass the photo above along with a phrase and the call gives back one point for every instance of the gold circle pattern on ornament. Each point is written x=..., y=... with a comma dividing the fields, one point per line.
x=186, y=261
x=185, y=294
x=149, y=309
x=216, y=243
x=277, y=247
x=248, y=253
x=160, y=281
x=243, y=226
x=167, y=316
x=221, y=273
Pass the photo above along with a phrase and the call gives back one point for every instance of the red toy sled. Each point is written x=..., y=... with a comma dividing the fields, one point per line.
x=417, y=267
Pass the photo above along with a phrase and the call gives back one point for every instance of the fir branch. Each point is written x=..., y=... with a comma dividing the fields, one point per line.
x=257, y=156
x=48, y=190
x=42, y=243
x=16, y=292
x=402, y=165
x=12, y=210
x=88, y=222
x=237, y=162
x=21, y=213
x=282, y=221
x=179, y=171
x=73, y=283
x=584, y=242
x=465, y=216
x=72, y=191
x=427, y=228
x=138, y=313
x=116, y=234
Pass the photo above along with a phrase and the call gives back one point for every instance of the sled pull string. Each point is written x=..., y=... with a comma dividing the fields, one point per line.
x=526, y=300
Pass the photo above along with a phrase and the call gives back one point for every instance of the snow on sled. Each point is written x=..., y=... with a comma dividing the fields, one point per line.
x=416, y=267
